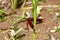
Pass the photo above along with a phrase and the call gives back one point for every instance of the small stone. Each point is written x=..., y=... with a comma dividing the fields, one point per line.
x=52, y=31
x=40, y=17
x=57, y=13
x=52, y=37
x=6, y=38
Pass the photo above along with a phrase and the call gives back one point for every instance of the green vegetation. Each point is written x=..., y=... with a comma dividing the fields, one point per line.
x=14, y=30
x=2, y=18
x=14, y=4
x=3, y=11
x=34, y=10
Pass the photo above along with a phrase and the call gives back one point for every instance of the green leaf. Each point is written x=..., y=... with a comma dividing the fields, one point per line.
x=58, y=28
x=3, y=11
x=2, y=18
x=59, y=6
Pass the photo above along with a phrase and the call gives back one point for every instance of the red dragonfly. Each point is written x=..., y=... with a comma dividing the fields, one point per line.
x=29, y=21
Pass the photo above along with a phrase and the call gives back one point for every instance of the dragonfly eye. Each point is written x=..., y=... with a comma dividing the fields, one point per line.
x=27, y=15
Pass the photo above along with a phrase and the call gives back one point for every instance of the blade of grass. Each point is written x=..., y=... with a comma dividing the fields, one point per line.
x=33, y=36
x=58, y=28
x=59, y=6
x=21, y=17
x=34, y=11
x=53, y=6
x=14, y=4
x=18, y=31
x=23, y=3
x=3, y=11
x=2, y=18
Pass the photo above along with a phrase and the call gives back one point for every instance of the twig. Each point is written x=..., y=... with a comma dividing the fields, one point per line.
x=18, y=31
x=42, y=6
x=3, y=31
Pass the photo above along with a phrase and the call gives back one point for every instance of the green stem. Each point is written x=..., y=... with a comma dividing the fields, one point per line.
x=14, y=4
x=34, y=11
x=33, y=36
x=12, y=38
x=3, y=11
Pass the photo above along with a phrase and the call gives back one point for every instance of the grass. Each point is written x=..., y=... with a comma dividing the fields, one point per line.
x=14, y=30
x=33, y=36
x=3, y=11
x=14, y=4
x=15, y=35
x=59, y=7
x=2, y=17
x=58, y=28
x=19, y=37
x=34, y=11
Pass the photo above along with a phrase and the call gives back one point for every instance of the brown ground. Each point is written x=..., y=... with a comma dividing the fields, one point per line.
x=50, y=21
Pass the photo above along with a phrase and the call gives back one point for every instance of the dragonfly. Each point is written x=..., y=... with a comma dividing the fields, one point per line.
x=29, y=21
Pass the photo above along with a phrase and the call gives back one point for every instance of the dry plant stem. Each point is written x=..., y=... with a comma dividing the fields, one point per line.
x=3, y=11
x=42, y=6
x=23, y=4
x=21, y=17
x=3, y=31
x=17, y=22
x=12, y=2
x=18, y=31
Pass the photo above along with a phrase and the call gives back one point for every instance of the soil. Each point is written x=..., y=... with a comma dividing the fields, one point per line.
x=50, y=21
